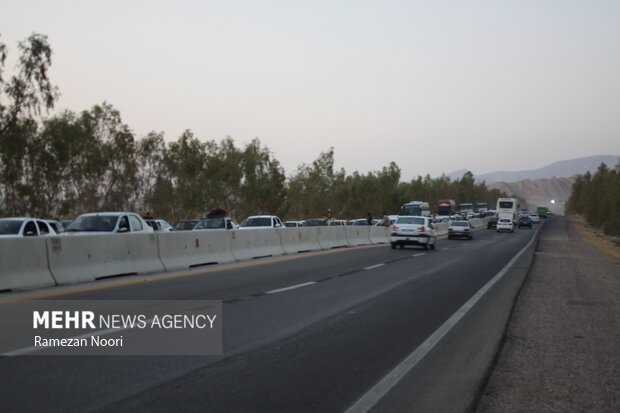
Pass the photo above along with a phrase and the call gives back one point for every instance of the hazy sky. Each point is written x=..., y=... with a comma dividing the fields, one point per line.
x=435, y=86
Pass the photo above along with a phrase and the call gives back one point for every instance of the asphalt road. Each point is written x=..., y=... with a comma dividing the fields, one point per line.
x=312, y=332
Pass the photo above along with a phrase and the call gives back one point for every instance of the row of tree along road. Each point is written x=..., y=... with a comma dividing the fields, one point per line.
x=60, y=165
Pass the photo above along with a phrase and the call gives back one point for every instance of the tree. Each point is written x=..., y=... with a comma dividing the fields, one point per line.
x=23, y=99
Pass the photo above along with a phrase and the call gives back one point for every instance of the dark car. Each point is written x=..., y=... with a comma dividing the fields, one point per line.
x=492, y=223
x=186, y=225
x=318, y=222
x=525, y=222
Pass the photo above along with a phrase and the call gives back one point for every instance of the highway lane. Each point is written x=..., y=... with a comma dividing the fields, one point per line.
x=352, y=315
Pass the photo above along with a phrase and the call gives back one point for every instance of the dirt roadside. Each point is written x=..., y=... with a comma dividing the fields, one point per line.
x=562, y=348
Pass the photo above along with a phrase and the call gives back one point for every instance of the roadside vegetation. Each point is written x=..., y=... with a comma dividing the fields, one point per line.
x=62, y=165
x=597, y=198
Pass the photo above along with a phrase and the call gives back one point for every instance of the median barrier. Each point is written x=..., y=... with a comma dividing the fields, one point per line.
x=23, y=263
x=87, y=257
x=255, y=243
x=379, y=234
x=300, y=239
x=479, y=222
x=333, y=237
x=181, y=250
x=441, y=228
x=358, y=235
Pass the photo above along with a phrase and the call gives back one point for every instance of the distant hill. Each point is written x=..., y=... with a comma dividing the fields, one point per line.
x=561, y=169
x=540, y=192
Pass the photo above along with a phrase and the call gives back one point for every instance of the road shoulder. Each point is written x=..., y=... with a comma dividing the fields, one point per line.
x=561, y=348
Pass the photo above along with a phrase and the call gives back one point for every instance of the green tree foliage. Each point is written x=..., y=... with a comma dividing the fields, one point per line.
x=597, y=198
x=23, y=99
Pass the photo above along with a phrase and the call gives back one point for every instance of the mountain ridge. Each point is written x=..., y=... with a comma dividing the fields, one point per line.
x=560, y=169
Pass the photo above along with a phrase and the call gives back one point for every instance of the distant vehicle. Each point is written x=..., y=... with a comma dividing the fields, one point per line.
x=543, y=212
x=318, y=222
x=216, y=223
x=534, y=217
x=492, y=222
x=358, y=222
x=413, y=230
x=185, y=225
x=120, y=222
x=337, y=223
x=158, y=225
x=261, y=221
x=524, y=221
x=505, y=224
x=416, y=208
x=24, y=227
x=293, y=224
x=466, y=208
x=460, y=229
x=508, y=208
x=446, y=207
x=483, y=209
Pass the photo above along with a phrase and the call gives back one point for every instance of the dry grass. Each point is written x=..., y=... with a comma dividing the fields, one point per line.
x=595, y=236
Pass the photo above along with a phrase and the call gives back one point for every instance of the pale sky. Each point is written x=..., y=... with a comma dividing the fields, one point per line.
x=434, y=86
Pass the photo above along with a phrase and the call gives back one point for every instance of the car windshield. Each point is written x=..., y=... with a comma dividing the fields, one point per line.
x=505, y=204
x=290, y=224
x=10, y=227
x=256, y=222
x=460, y=224
x=211, y=223
x=504, y=220
x=97, y=223
x=411, y=220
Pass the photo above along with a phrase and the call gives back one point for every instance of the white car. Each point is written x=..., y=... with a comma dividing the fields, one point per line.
x=25, y=227
x=534, y=217
x=505, y=224
x=261, y=221
x=102, y=222
x=459, y=229
x=412, y=230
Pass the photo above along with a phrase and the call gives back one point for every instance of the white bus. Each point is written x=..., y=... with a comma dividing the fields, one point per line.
x=508, y=208
x=416, y=208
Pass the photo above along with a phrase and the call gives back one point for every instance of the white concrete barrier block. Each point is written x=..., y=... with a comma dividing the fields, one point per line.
x=87, y=257
x=247, y=244
x=300, y=239
x=23, y=263
x=181, y=250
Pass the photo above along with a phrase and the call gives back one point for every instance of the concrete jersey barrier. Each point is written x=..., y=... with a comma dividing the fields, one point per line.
x=23, y=263
x=358, y=235
x=333, y=237
x=379, y=235
x=299, y=239
x=247, y=244
x=87, y=257
x=181, y=250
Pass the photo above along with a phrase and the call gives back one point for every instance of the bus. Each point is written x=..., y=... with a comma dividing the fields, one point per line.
x=508, y=208
x=416, y=208
x=446, y=207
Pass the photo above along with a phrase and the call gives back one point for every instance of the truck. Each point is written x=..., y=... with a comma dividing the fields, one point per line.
x=446, y=207
x=543, y=212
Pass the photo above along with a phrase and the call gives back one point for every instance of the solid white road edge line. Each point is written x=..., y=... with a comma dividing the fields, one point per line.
x=418, y=255
x=372, y=267
x=376, y=393
x=292, y=287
